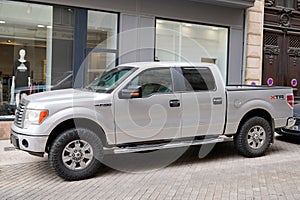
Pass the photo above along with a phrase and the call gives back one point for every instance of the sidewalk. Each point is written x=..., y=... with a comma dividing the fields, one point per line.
x=10, y=156
x=223, y=174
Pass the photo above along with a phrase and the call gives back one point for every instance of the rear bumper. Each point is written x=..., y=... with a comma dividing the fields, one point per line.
x=292, y=128
x=285, y=131
x=32, y=144
x=290, y=123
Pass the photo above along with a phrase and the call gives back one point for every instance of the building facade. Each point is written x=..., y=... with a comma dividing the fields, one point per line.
x=59, y=44
x=273, y=52
x=281, y=55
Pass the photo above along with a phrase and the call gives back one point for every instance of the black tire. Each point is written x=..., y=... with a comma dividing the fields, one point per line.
x=82, y=151
x=254, y=137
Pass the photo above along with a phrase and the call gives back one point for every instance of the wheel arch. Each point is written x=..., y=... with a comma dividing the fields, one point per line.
x=73, y=123
x=258, y=113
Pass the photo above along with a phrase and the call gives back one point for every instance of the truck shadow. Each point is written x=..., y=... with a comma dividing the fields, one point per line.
x=154, y=160
x=223, y=154
x=289, y=139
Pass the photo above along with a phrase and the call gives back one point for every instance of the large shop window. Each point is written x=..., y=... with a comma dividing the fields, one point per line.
x=188, y=42
x=101, y=43
x=36, y=51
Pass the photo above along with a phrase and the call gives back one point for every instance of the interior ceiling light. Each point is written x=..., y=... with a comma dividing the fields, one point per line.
x=215, y=28
x=41, y=26
x=188, y=25
x=2, y=22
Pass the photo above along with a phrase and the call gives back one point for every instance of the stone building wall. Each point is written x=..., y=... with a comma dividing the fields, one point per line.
x=254, y=55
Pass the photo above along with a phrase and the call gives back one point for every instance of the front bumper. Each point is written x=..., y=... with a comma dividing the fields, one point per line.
x=34, y=145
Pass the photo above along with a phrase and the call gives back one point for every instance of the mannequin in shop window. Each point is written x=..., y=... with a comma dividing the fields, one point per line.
x=20, y=77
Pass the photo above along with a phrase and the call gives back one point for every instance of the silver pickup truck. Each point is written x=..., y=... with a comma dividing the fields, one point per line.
x=145, y=107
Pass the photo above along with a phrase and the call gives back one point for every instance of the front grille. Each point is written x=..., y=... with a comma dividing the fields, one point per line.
x=20, y=115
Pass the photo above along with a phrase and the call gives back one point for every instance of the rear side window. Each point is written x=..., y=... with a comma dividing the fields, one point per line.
x=198, y=79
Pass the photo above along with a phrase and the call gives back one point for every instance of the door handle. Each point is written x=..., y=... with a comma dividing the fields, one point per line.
x=174, y=103
x=217, y=101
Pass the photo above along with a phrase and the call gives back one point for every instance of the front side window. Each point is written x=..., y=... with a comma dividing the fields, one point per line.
x=154, y=81
x=198, y=79
x=110, y=80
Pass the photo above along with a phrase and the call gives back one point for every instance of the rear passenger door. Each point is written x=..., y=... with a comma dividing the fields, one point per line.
x=203, y=105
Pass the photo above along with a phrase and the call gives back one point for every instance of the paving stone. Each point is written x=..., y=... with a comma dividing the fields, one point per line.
x=223, y=174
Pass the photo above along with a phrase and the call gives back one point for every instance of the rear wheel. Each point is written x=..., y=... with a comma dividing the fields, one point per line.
x=76, y=154
x=254, y=137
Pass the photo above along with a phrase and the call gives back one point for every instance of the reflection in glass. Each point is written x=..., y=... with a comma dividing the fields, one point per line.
x=101, y=43
x=110, y=80
x=98, y=62
x=187, y=42
x=28, y=27
x=102, y=30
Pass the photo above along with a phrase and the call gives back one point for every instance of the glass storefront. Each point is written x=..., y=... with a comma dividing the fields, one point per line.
x=40, y=46
x=37, y=49
x=25, y=51
x=188, y=42
x=101, y=42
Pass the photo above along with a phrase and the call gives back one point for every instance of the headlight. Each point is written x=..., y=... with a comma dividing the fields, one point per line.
x=36, y=116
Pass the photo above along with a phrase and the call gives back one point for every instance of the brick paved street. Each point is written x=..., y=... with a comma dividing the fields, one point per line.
x=223, y=174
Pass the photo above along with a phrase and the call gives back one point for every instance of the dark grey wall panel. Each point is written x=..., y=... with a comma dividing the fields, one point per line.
x=146, y=38
x=136, y=38
x=230, y=3
x=235, y=56
x=128, y=38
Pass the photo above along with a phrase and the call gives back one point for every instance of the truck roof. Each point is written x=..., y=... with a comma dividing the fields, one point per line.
x=167, y=64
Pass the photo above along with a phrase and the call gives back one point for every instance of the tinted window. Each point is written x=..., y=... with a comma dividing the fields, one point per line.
x=198, y=79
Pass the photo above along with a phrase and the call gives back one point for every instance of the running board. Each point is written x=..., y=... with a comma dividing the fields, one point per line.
x=170, y=145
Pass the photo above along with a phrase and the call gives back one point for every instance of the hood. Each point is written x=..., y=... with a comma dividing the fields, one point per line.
x=65, y=96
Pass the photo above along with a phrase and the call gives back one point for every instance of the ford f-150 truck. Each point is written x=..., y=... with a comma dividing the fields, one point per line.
x=145, y=107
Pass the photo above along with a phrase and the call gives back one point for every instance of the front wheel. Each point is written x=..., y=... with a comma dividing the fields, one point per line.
x=76, y=154
x=254, y=137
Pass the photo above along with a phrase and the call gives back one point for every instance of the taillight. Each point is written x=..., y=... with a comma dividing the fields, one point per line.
x=290, y=100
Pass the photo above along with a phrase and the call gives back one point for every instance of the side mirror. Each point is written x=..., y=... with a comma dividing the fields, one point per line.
x=132, y=92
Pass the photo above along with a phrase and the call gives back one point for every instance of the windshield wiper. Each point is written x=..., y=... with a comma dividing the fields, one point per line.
x=90, y=89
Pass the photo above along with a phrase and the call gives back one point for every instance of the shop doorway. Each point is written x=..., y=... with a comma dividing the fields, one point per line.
x=281, y=65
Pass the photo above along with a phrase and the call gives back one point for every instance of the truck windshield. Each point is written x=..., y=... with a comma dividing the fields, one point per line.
x=110, y=80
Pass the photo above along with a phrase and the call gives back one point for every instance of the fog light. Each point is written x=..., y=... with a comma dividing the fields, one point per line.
x=25, y=143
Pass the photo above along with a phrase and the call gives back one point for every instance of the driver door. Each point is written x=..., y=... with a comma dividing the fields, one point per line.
x=156, y=115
